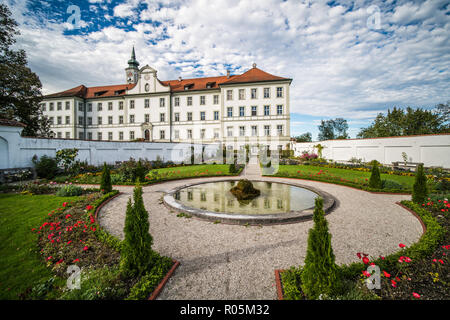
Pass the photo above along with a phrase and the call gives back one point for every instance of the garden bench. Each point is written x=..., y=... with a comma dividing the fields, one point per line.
x=405, y=165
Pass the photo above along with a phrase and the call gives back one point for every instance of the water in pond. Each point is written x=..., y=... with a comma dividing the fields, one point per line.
x=274, y=198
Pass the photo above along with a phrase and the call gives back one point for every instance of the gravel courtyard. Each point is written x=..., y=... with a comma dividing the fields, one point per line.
x=220, y=261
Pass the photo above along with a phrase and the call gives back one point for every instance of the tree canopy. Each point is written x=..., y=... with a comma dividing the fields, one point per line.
x=306, y=137
x=333, y=129
x=409, y=121
x=20, y=88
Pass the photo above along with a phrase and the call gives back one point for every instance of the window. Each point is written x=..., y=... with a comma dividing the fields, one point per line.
x=120, y=105
x=266, y=110
x=254, y=111
x=59, y=135
x=279, y=92
x=177, y=134
x=131, y=118
x=162, y=102
x=242, y=131
x=176, y=101
x=89, y=121
x=80, y=106
x=254, y=93
x=241, y=111
x=50, y=120
x=51, y=107
x=120, y=135
x=131, y=135
x=89, y=136
x=147, y=103
x=110, y=120
x=99, y=136
x=279, y=109
x=189, y=101
x=81, y=135
x=162, y=134
x=89, y=107
x=230, y=112
x=59, y=106
x=110, y=135
x=147, y=118
x=59, y=120
x=131, y=104
x=67, y=135
x=216, y=99
x=202, y=115
x=254, y=131
x=202, y=133
x=177, y=117
x=120, y=119
x=80, y=120
x=229, y=131
x=189, y=134
x=67, y=119
x=267, y=130
x=189, y=116
x=162, y=117
x=241, y=94
x=216, y=133
x=280, y=129
x=99, y=120
x=216, y=115
x=266, y=93
x=110, y=106
x=202, y=100
x=229, y=95
x=43, y=107
x=99, y=106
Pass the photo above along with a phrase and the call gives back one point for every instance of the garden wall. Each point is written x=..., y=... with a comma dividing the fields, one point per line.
x=17, y=151
x=432, y=150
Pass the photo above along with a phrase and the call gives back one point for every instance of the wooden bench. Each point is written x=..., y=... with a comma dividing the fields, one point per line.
x=405, y=165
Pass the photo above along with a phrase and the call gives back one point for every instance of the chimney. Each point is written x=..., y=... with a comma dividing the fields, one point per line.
x=179, y=79
x=228, y=74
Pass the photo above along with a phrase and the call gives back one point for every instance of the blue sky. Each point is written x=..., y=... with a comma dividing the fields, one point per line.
x=349, y=59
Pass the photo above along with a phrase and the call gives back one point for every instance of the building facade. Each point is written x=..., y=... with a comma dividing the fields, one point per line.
x=251, y=108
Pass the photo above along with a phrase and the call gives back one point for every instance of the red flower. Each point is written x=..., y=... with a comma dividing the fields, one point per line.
x=365, y=260
x=442, y=262
x=367, y=274
x=401, y=245
x=416, y=295
x=68, y=216
x=65, y=204
x=85, y=248
x=394, y=284
x=89, y=207
x=358, y=255
x=76, y=260
x=387, y=275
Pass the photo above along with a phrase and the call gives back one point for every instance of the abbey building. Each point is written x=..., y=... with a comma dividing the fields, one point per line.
x=251, y=108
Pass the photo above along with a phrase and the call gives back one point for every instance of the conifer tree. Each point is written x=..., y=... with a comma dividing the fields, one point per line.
x=105, y=184
x=375, y=179
x=137, y=255
x=420, y=192
x=320, y=273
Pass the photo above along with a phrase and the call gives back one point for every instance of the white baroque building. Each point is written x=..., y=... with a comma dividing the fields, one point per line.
x=251, y=108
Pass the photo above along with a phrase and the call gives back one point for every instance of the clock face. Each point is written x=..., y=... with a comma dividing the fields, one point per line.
x=147, y=77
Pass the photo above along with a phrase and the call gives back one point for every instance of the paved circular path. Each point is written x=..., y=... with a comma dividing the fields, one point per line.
x=221, y=261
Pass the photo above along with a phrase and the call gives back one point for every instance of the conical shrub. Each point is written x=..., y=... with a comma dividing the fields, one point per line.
x=420, y=191
x=320, y=273
x=105, y=184
x=137, y=255
x=375, y=179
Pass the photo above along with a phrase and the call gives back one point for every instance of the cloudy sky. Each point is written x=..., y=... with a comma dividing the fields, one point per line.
x=350, y=59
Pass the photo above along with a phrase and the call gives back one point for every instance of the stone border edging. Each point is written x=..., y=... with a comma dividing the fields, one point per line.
x=163, y=282
x=424, y=227
x=176, y=263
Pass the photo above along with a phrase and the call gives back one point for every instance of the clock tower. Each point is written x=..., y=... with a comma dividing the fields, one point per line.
x=132, y=72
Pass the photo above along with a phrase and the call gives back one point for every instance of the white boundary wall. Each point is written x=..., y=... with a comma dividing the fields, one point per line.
x=432, y=150
x=17, y=151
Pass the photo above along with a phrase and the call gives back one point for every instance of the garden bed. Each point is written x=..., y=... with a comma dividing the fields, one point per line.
x=420, y=271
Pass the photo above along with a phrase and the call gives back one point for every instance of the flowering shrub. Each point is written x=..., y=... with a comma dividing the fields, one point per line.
x=308, y=156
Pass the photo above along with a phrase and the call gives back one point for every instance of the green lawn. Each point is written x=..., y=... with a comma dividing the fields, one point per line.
x=352, y=175
x=193, y=171
x=20, y=264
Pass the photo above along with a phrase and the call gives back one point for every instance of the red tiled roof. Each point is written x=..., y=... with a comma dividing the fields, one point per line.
x=252, y=75
x=11, y=123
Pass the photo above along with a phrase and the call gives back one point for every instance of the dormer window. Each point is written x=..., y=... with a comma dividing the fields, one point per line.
x=209, y=85
x=119, y=92
x=99, y=93
x=188, y=86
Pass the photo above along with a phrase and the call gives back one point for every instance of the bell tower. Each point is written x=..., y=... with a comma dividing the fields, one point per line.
x=132, y=71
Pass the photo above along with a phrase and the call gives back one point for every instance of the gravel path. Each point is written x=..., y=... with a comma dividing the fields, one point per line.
x=220, y=261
